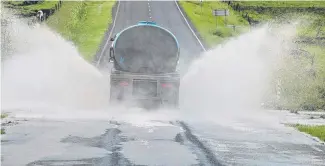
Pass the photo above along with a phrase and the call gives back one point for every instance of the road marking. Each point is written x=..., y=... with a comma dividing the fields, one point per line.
x=149, y=10
x=319, y=150
x=110, y=34
x=179, y=9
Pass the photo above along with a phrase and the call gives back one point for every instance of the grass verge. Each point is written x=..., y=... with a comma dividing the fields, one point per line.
x=30, y=10
x=316, y=131
x=303, y=81
x=3, y=115
x=212, y=29
x=296, y=4
x=84, y=23
x=3, y=131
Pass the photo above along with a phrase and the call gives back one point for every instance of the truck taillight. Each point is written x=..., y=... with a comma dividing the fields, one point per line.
x=166, y=85
x=123, y=83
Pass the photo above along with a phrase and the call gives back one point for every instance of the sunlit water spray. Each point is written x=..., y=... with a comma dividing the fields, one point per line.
x=45, y=77
x=46, y=70
x=232, y=80
x=47, y=74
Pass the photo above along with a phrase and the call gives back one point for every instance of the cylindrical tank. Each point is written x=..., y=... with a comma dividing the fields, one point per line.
x=146, y=48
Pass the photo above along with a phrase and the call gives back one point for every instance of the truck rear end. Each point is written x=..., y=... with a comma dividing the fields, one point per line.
x=145, y=60
x=149, y=91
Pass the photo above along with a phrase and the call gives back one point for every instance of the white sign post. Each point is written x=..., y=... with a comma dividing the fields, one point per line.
x=201, y=1
x=221, y=12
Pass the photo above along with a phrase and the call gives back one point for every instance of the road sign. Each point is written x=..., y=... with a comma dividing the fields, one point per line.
x=222, y=12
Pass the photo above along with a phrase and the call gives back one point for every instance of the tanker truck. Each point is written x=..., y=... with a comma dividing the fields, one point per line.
x=145, y=60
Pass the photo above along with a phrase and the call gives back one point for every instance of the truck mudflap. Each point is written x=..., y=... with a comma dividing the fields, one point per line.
x=145, y=91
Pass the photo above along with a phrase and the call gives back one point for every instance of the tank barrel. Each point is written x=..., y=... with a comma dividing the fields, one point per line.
x=145, y=48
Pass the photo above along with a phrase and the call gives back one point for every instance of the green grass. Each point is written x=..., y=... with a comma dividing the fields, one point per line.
x=283, y=3
x=316, y=131
x=319, y=59
x=303, y=78
x=313, y=27
x=3, y=131
x=213, y=31
x=31, y=9
x=303, y=83
x=3, y=115
x=84, y=23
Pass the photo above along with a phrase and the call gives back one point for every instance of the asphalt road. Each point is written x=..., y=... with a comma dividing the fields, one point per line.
x=246, y=142
x=165, y=14
x=152, y=138
x=131, y=138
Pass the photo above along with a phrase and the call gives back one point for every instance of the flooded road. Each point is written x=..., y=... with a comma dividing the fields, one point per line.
x=59, y=112
x=142, y=138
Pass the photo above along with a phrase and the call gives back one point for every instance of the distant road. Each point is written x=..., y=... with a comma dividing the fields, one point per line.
x=165, y=14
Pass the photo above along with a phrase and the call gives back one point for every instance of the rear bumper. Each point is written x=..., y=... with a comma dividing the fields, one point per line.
x=164, y=96
x=116, y=74
x=145, y=103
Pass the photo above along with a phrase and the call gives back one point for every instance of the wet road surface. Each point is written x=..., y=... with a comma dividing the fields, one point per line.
x=243, y=144
x=39, y=139
x=42, y=141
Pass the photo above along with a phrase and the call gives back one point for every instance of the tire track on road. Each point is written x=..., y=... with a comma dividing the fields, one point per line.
x=207, y=153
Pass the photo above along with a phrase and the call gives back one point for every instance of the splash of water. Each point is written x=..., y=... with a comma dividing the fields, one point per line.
x=45, y=77
x=46, y=73
x=45, y=70
x=232, y=79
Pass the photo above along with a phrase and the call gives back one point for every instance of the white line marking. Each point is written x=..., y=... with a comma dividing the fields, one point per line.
x=190, y=26
x=149, y=10
x=110, y=34
x=319, y=150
